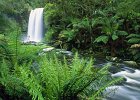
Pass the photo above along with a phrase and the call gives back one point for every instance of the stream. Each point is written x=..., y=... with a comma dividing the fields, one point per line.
x=129, y=89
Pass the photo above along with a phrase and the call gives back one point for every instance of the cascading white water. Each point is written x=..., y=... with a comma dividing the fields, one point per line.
x=127, y=90
x=35, y=26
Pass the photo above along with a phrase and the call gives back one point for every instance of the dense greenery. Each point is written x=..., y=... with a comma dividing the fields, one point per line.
x=98, y=25
x=110, y=27
x=45, y=77
x=95, y=25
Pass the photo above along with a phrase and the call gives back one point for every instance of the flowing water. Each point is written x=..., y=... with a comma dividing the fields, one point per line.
x=35, y=26
x=129, y=89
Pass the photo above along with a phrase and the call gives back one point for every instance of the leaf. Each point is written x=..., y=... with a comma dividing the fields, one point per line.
x=102, y=38
x=133, y=35
x=68, y=34
x=114, y=37
x=134, y=40
x=77, y=23
x=123, y=33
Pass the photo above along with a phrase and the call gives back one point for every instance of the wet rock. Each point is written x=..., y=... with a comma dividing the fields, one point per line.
x=62, y=51
x=113, y=59
x=114, y=70
x=33, y=43
x=48, y=49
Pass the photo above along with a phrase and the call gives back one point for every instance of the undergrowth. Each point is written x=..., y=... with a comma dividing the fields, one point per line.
x=24, y=75
x=57, y=80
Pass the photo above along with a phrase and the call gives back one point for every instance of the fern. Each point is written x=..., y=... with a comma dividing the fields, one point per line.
x=133, y=38
x=98, y=93
x=83, y=23
x=62, y=81
x=102, y=38
x=122, y=33
x=12, y=84
x=31, y=82
x=133, y=35
x=68, y=34
x=56, y=80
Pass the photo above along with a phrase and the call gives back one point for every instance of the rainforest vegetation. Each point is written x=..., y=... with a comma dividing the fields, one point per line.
x=97, y=27
x=108, y=26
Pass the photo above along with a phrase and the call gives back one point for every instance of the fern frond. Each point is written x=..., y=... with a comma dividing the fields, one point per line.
x=102, y=38
x=134, y=40
x=133, y=35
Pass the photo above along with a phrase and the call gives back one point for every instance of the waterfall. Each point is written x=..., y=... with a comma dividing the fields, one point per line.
x=35, y=26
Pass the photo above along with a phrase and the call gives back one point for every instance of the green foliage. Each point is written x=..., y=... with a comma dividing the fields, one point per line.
x=50, y=11
x=84, y=24
x=27, y=53
x=136, y=55
x=71, y=19
x=110, y=27
x=10, y=82
x=62, y=81
x=9, y=43
x=128, y=8
x=5, y=52
x=133, y=38
x=30, y=82
x=51, y=79
x=68, y=34
x=12, y=50
x=49, y=35
x=80, y=23
x=47, y=78
x=3, y=22
x=103, y=39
